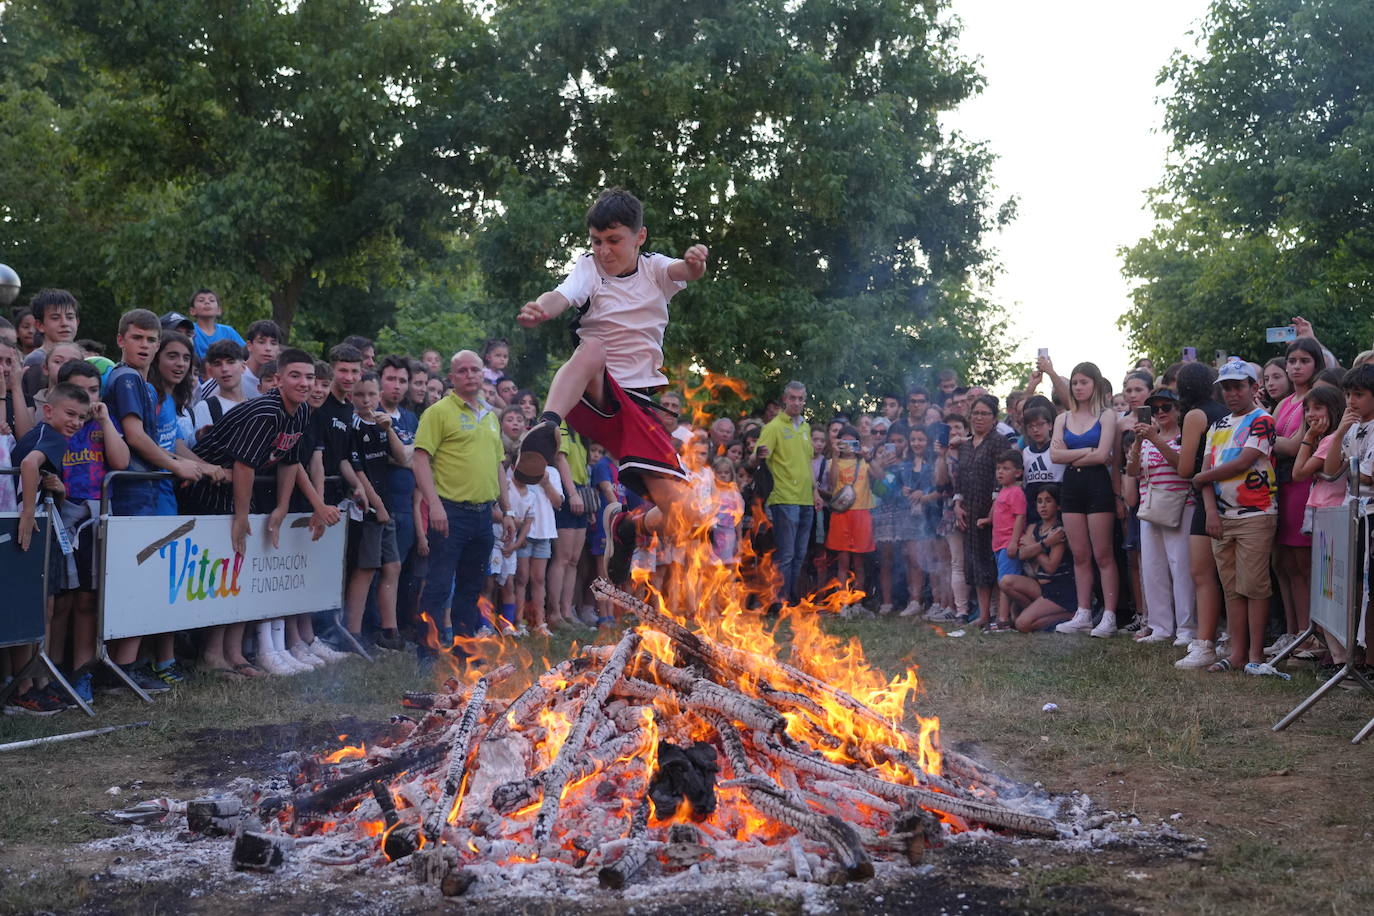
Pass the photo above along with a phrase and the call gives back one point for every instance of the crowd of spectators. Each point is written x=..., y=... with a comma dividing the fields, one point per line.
x=1176, y=508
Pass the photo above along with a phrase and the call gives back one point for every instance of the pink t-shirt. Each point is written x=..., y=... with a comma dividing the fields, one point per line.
x=1326, y=493
x=1010, y=502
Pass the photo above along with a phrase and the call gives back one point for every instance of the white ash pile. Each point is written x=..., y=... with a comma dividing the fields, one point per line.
x=667, y=752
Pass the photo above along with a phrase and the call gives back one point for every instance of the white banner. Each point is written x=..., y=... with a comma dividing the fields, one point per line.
x=178, y=572
x=1332, y=572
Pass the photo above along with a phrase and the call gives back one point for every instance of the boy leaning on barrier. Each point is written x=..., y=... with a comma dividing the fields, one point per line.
x=263, y=433
x=95, y=449
x=134, y=407
x=39, y=457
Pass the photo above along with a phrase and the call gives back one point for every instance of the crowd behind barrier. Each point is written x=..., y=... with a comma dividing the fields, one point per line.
x=414, y=499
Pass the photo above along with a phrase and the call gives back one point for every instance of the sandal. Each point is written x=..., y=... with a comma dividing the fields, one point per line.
x=1221, y=666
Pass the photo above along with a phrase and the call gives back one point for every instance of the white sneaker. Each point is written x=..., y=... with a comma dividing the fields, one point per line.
x=293, y=662
x=943, y=615
x=1224, y=643
x=1201, y=653
x=1278, y=645
x=1106, y=627
x=1155, y=637
x=301, y=653
x=1082, y=622
x=884, y=609
x=1184, y=640
x=276, y=663
x=912, y=609
x=322, y=650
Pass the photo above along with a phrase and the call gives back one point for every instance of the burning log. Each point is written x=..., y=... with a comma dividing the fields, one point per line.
x=557, y=774
x=457, y=763
x=768, y=797
x=356, y=784
x=981, y=812
x=618, y=873
x=513, y=796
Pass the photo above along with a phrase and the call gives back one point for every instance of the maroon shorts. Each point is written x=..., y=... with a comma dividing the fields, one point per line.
x=627, y=427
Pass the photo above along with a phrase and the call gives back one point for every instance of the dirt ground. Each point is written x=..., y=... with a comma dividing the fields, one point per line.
x=1276, y=814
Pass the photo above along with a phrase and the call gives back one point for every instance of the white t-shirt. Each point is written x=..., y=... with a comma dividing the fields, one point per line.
x=627, y=314
x=1359, y=443
x=201, y=416
x=534, y=502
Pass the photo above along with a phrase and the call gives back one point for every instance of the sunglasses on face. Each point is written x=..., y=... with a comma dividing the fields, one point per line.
x=1161, y=408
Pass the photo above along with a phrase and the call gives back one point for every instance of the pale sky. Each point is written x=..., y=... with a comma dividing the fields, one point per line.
x=1071, y=110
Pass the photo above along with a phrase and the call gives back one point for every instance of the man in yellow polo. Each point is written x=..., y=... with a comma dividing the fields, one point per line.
x=785, y=443
x=457, y=464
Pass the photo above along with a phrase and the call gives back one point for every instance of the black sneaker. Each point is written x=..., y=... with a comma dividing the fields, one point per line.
x=55, y=693
x=143, y=676
x=34, y=702
x=389, y=643
x=538, y=448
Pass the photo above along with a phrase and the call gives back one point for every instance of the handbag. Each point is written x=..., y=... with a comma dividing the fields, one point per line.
x=591, y=499
x=843, y=500
x=1162, y=507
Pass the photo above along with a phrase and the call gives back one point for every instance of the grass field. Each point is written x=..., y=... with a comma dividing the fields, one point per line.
x=1285, y=815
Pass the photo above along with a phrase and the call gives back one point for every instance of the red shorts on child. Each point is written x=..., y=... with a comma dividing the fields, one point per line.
x=627, y=427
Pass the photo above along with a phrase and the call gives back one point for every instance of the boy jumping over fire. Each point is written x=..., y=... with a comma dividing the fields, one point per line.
x=604, y=390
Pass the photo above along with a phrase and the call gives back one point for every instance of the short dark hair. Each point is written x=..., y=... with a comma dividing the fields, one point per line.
x=200, y=292
x=1332, y=375
x=296, y=355
x=1050, y=488
x=1012, y=457
x=222, y=350
x=505, y=378
x=1194, y=383
x=344, y=353
x=269, y=368
x=915, y=390
x=1037, y=412
x=359, y=343
x=1361, y=377
x=91, y=346
x=142, y=319
x=369, y=376
x=264, y=328
x=66, y=391
x=395, y=361
x=76, y=367
x=417, y=368
x=46, y=299
x=615, y=206
x=322, y=369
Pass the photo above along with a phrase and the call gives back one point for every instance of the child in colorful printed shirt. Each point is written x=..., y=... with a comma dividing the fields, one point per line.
x=1242, y=513
x=96, y=447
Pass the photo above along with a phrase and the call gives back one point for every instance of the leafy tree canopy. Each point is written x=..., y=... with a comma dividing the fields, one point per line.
x=1264, y=212
x=424, y=166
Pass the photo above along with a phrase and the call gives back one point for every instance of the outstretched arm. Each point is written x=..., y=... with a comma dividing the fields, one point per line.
x=691, y=267
x=548, y=305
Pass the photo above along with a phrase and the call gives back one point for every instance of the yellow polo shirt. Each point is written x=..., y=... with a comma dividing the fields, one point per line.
x=789, y=459
x=464, y=448
x=572, y=446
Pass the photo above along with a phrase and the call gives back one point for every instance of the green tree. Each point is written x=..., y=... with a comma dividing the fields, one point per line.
x=1264, y=212
x=277, y=152
x=800, y=141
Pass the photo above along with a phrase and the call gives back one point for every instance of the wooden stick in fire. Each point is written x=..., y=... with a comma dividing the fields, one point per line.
x=556, y=776
x=769, y=798
x=457, y=762
x=727, y=661
x=619, y=872
x=981, y=812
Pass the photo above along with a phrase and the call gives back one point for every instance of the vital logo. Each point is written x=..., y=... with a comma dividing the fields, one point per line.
x=193, y=573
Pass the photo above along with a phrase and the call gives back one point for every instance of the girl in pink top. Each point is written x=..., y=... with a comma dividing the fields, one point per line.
x=1294, y=548
x=1322, y=407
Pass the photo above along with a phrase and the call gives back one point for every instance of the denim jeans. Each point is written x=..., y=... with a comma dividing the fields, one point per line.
x=459, y=562
x=791, y=535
